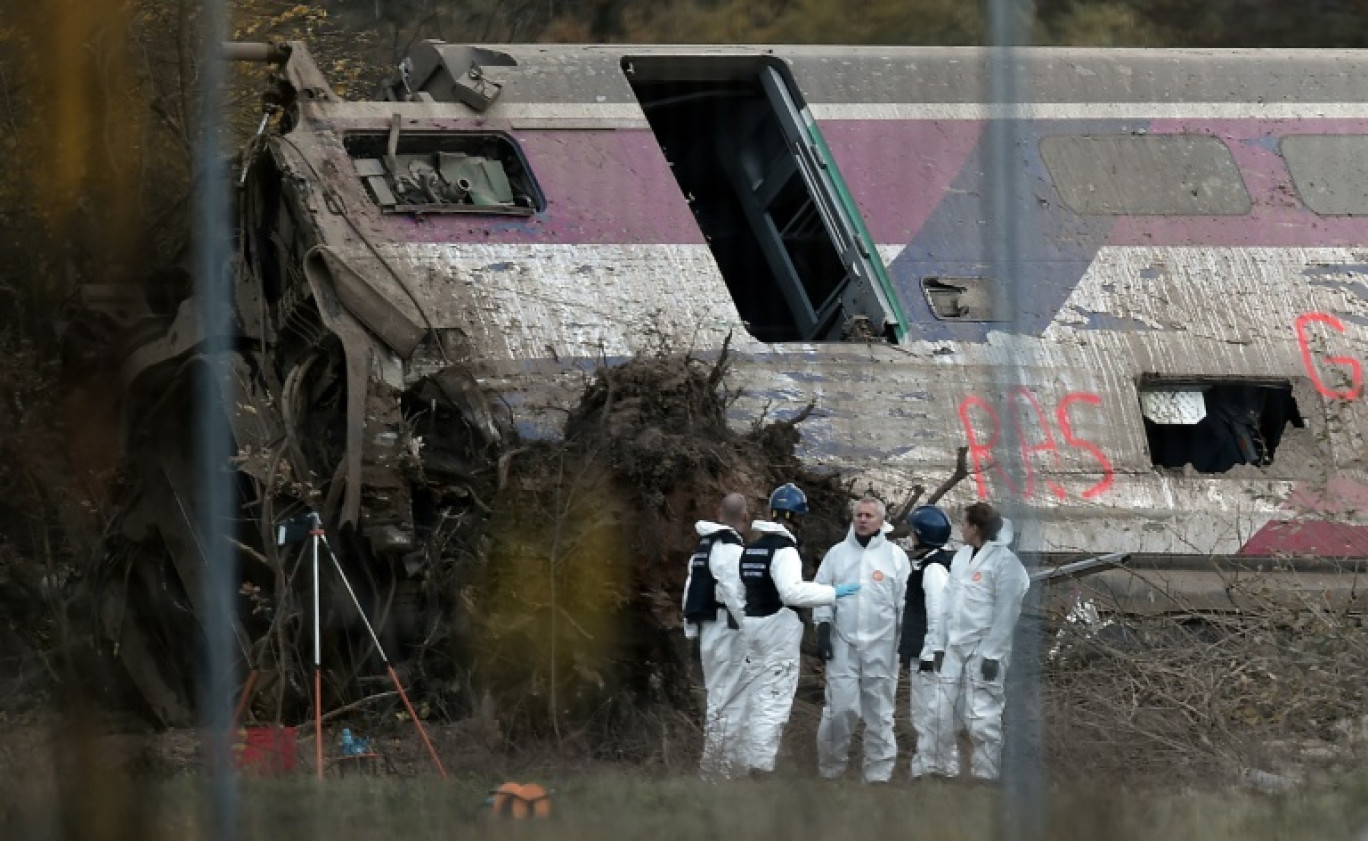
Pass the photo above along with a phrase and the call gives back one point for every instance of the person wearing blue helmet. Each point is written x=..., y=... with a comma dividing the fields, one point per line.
x=858, y=639
x=924, y=612
x=772, y=575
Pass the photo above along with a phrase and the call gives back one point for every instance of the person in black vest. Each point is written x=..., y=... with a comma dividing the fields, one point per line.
x=714, y=605
x=925, y=610
x=772, y=574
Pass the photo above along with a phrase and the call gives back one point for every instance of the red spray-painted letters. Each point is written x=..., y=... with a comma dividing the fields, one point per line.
x=1308, y=358
x=1035, y=438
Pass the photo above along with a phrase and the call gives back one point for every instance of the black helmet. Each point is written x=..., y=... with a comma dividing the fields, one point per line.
x=930, y=525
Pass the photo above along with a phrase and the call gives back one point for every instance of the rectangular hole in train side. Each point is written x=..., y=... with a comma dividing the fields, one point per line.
x=1214, y=425
x=767, y=197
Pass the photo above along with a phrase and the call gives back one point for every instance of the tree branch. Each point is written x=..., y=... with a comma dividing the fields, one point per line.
x=961, y=470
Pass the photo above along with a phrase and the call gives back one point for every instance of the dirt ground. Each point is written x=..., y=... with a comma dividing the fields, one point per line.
x=71, y=793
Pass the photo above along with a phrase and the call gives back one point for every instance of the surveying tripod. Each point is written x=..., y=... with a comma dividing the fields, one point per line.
x=310, y=527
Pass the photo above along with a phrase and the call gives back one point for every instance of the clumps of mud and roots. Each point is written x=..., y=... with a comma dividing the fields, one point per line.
x=567, y=621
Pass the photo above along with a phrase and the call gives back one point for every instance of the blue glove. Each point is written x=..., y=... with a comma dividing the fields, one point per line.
x=843, y=590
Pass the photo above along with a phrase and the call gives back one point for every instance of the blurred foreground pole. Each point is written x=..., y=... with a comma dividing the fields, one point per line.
x=213, y=291
x=1024, y=806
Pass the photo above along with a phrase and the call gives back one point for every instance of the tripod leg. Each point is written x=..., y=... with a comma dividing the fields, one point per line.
x=318, y=720
x=316, y=532
x=243, y=700
x=417, y=721
x=381, y=651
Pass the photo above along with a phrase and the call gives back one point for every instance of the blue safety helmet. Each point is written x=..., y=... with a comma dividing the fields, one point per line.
x=930, y=525
x=789, y=498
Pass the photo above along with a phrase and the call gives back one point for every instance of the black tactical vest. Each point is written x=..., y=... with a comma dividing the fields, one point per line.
x=762, y=597
x=914, y=612
x=700, y=602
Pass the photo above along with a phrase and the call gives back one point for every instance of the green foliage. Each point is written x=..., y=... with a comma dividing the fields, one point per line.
x=806, y=22
x=1110, y=23
x=355, y=36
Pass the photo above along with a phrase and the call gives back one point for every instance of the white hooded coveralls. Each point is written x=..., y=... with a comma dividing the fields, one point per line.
x=983, y=601
x=772, y=644
x=862, y=675
x=922, y=689
x=722, y=650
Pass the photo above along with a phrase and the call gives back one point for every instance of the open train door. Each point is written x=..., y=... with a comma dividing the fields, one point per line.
x=768, y=197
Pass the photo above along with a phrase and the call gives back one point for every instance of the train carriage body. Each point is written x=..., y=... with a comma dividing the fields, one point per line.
x=1139, y=296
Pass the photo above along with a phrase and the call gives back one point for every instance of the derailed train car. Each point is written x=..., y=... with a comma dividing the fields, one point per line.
x=1168, y=361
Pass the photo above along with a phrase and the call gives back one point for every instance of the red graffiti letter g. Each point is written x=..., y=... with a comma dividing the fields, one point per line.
x=1355, y=370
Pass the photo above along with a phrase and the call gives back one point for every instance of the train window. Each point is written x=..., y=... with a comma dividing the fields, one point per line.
x=965, y=299
x=1145, y=175
x=1215, y=425
x=1328, y=172
x=768, y=197
x=445, y=172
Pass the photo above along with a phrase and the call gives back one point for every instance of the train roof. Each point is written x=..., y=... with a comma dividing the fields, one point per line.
x=857, y=75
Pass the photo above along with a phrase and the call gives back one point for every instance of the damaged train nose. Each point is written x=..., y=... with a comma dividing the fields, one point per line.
x=398, y=467
x=346, y=397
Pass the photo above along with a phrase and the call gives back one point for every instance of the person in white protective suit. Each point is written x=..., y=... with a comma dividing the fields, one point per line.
x=973, y=645
x=714, y=605
x=772, y=574
x=858, y=639
x=924, y=613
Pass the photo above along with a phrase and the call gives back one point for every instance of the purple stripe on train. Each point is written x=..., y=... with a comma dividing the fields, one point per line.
x=1278, y=217
x=919, y=182
x=898, y=172
x=1316, y=531
x=1054, y=245
x=601, y=188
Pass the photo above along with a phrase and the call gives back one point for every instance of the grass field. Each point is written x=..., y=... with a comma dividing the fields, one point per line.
x=614, y=806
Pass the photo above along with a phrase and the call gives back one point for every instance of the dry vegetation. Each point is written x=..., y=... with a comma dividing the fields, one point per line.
x=553, y=625
x=570, y=595
x=1267, y=696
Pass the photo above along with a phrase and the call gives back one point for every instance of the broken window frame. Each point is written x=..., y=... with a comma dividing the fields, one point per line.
x=394, y=146
x=860, y=305
x=1213, y=417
